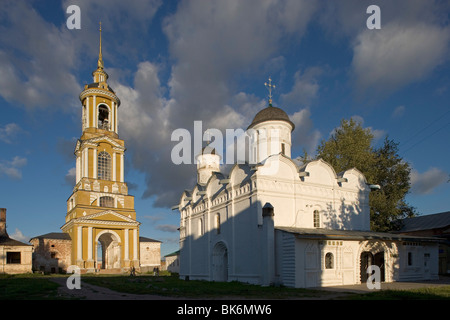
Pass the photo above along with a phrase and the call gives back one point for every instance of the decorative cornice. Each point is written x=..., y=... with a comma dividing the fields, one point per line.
x=93, y=91
x=90, y=220
x=94, y=142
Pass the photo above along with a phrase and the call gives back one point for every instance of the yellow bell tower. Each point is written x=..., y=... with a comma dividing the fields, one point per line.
x=101, y=219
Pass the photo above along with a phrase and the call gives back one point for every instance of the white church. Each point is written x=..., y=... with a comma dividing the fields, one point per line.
x=278, y=222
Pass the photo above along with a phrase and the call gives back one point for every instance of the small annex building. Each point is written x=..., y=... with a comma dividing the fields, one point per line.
x=432, y=225
x=15, y=256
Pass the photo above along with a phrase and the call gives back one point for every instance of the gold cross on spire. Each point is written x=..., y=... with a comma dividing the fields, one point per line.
x=100, y=58
x=270, y=87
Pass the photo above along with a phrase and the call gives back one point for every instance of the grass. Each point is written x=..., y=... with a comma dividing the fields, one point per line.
x=174, y=287
x=27, y=287
x=431, y=293
x=40, y=287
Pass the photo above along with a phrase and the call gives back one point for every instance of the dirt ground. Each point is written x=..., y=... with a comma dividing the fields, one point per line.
x=92, y=292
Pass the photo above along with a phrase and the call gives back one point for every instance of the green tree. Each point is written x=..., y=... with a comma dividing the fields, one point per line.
x=351, y=146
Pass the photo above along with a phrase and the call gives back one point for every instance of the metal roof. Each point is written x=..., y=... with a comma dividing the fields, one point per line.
x=330, y=234
x=426, y=222
x=54, y=235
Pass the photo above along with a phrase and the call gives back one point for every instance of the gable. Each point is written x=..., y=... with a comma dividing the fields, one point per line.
x=108, y=215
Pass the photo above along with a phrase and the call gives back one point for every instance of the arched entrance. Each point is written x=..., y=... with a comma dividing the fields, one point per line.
x=220, y=262
x=109, y=248
x=368, y=259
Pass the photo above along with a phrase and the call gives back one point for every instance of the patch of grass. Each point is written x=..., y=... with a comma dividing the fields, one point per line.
x=27, y=287
x=430, y=293
x=174, y=287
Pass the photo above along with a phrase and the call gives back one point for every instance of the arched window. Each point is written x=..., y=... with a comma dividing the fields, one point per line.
x=103, y=117
x=316, y=219
x=107, y=202
x=329, y=261
x=104, y=166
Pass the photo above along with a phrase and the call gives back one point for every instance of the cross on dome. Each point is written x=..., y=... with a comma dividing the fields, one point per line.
x=270, y=87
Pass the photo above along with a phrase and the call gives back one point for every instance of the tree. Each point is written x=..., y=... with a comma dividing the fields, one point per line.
x=350, y=146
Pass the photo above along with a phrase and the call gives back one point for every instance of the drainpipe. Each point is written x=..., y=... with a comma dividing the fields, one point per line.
x=268, y=245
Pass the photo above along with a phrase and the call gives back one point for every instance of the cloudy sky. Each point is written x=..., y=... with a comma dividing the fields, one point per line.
x=172, y=63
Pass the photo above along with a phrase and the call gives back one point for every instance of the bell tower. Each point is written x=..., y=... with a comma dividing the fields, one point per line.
x=101, y=219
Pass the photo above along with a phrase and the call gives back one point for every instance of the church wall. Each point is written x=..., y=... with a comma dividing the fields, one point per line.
x=150, y=255
x=51, y=255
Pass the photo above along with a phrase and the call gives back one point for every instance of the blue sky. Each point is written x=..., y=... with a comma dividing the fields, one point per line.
x=174, y=62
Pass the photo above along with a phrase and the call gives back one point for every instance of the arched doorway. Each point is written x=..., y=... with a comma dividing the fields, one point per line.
x=109, y=248
x=368, y=259
x=220, y=262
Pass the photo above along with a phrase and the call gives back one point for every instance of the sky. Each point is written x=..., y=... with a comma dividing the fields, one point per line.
x=175, y=62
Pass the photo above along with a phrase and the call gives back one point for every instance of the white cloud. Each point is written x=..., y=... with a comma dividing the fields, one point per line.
x=9, y=132
x=167, y=228
x=19, y=236
x=36, y=58
x=398, y=55
x=305, y=88
x=304, y=136
x=71, y=176
x=426, y=182
x=398, y=112
x=12, y=168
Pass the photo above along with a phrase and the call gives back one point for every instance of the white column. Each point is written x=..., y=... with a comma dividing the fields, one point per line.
x=86, y=163
x=80, y=243
x=87, y=113
x=78, y=168
x=95, y=164
x=94, y=113
x=112, y=119
x=121, y=168
x=89, y=243
x=127, y=249
x=135, y=245
x=117, y=118
x=114, y=169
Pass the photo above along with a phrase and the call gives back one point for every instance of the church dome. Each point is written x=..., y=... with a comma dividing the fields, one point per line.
x=271, y=114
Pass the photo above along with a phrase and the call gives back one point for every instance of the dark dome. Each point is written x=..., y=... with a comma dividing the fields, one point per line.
x=270, y=114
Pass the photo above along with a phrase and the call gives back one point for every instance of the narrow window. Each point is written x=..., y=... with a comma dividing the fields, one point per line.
x=104, y=166
x=283, y=149
x=316, y=219
x=218, y=223
x=329, y=261
x=107, y=202
x=410, y=259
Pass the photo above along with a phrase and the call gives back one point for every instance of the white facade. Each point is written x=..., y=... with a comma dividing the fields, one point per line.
x=317, y=235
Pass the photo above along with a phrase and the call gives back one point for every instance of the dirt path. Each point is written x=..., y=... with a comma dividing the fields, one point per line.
x=92, y=292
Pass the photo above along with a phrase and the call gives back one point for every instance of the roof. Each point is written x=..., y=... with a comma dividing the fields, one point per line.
x=176, y=253
x=426, y=222
x=54, y=235
x=329, y=234
x=270, y=114
x=7, y=241
x=144, y=239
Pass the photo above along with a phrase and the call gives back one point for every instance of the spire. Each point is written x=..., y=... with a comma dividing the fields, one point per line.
x=100, y=58
x=270, y=86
